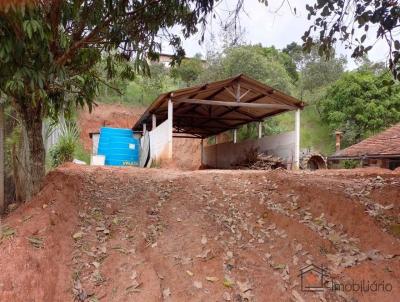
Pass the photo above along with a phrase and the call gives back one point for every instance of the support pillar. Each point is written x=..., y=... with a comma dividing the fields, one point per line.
x=338, y=135
x=201, y=151
x=234, y=136
x=296, y=165
x=144, y=128
x=170, y=127
x=260, y=130
x=153, y=122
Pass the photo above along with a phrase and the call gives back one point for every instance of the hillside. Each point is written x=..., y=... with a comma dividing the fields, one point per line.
x=128, y=234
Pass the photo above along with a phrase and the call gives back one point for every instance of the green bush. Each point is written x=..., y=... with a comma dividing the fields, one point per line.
x=65, y=148
x=350, y=163
x=62, y=152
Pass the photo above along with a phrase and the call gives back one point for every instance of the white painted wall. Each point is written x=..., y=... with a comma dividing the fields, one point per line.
x=95, y=143
x=223, y=155
x=159, y=141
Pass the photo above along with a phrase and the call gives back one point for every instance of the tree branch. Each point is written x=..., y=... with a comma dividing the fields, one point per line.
x=88, y=39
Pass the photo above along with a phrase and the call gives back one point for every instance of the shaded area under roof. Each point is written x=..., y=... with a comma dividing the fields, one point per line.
x=212, y=108
x=386, y=143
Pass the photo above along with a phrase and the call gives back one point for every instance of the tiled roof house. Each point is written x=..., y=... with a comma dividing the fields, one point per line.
x=381, y=150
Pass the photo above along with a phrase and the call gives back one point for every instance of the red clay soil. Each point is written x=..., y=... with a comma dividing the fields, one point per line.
x=130, y=234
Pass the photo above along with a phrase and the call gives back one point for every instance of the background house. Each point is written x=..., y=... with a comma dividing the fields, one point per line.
x=381, y=150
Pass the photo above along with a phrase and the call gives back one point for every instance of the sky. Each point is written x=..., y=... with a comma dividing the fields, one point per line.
x=269, y=27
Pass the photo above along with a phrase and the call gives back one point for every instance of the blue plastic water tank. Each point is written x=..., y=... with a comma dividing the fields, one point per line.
x=119, y=147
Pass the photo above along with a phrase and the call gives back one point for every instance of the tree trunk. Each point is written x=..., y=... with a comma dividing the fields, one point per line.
x=32, y=156
x=32, y=134
x=2, y=199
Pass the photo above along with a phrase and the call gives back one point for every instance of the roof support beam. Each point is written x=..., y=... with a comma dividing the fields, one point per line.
x=204, y=117
x=235, y=104
x=249, y=101
x=188, y=136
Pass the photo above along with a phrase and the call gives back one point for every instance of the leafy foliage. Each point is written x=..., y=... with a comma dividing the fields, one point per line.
x=361, y=103
x=350, y=21
x=63, y=151
x=316, y=75
x=315, y=71
x=188, y=70
x=48, y=51
x=350, y=163
x=264, y=64
x=143, y=90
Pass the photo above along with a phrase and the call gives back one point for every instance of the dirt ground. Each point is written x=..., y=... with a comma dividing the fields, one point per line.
x=130, y=234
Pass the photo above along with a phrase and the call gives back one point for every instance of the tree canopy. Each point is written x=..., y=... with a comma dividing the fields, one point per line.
x=189, y=70
x=361, y=103
x=265, y=64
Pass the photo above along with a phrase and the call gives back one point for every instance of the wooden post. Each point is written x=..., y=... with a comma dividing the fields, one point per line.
x=259, y=129
x=234, y=136
x=297, y=141
x=201, y=152
x=170, y=127
x=238, y=93
x=2, y=172
x=153, y=122
x=144, y=128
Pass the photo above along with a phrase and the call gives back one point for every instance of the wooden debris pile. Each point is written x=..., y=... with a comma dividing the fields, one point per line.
x=255, y=160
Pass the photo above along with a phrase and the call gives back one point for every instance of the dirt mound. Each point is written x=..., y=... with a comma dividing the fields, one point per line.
x=36, y=244
x=130, y=234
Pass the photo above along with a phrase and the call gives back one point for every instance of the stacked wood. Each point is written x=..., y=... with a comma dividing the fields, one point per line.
x=260, y=161
x=267, y=162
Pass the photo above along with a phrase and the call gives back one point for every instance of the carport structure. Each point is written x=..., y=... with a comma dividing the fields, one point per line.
x=210, y=109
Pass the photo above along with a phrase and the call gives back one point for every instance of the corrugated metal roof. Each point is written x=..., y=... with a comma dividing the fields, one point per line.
x=204, y=120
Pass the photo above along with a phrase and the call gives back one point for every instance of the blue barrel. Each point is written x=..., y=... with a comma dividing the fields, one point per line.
x=119, y=147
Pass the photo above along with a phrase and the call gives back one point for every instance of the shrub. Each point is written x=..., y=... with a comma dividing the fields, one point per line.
x=63, y=151
x=350, y=163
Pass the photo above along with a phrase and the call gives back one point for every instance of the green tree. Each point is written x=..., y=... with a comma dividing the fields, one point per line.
x=49, y=50
x=260, y=63
x=315, y=71
x=361, y=103
x=188, y=70
x=145, y=89
x=316, y=75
